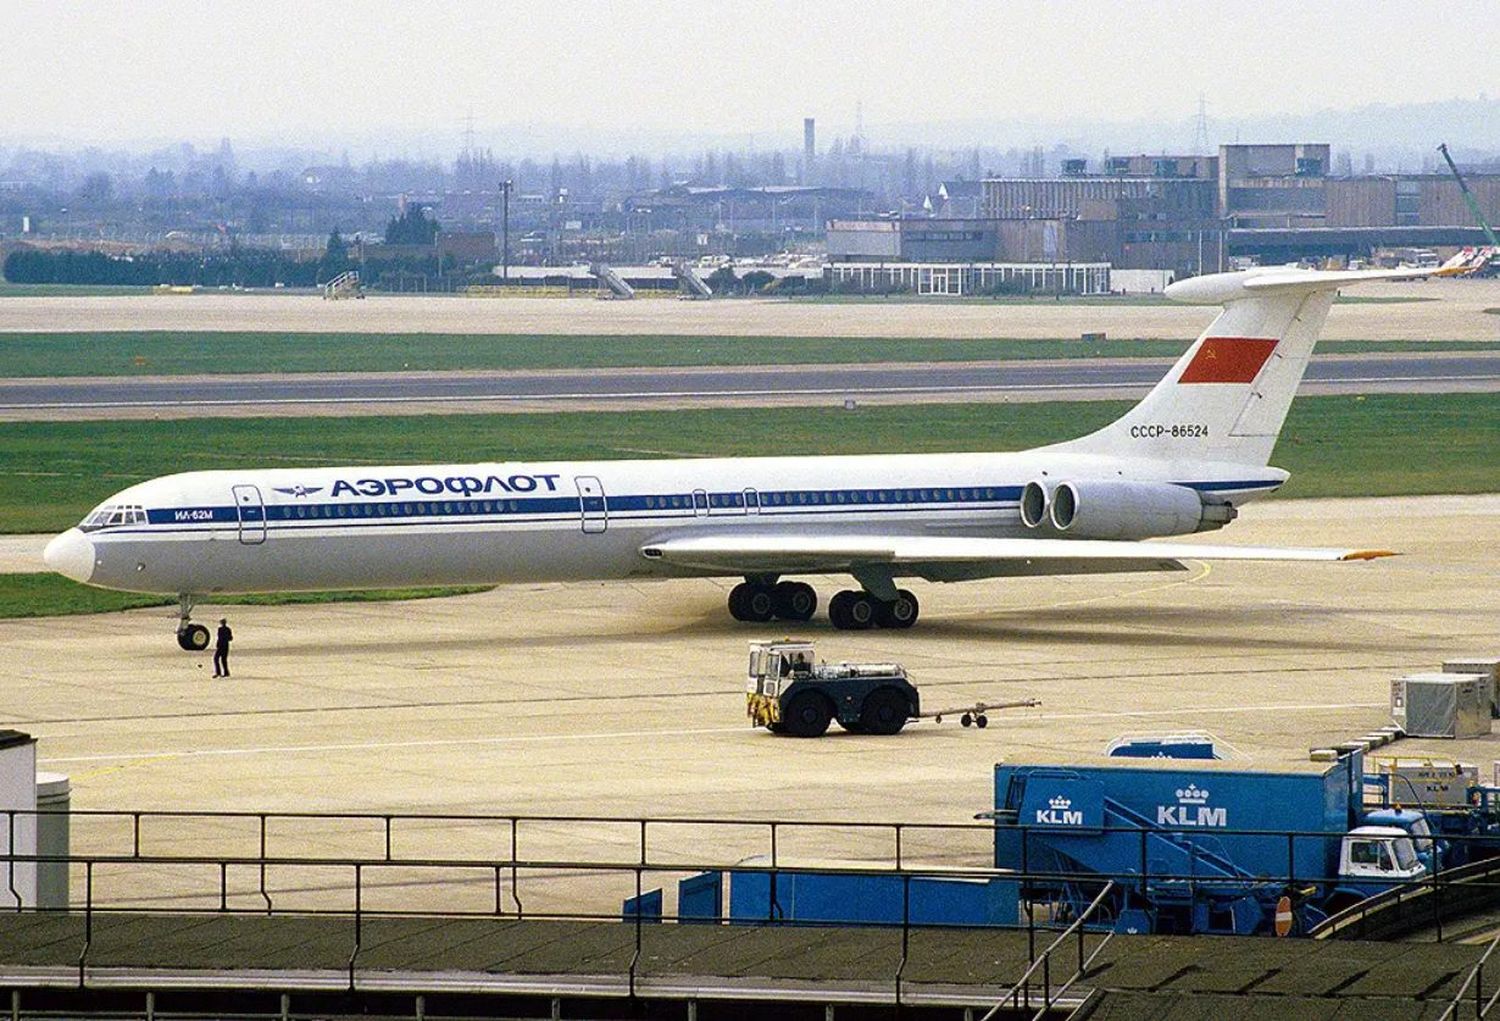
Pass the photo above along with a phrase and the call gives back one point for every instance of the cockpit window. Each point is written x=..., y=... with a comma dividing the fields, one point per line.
x=112, y=515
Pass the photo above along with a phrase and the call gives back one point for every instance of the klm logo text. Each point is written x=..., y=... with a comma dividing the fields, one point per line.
x=1192, y=809
x=1059, y=812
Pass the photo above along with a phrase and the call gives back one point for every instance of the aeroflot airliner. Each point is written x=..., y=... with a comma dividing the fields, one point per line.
x=1181, y=461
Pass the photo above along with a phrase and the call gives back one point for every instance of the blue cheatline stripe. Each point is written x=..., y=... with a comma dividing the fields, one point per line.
x=668, y=506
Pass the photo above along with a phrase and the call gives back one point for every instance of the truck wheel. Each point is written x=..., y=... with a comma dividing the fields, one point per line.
x=885, y=711
x=806, y=715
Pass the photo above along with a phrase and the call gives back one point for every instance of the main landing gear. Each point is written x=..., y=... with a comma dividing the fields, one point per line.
x=760, y=602
x=190, y=637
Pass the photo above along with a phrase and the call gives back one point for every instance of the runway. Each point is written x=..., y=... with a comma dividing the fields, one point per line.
x=611, y=389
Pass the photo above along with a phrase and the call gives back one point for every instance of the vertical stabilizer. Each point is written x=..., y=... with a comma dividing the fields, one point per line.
x=1227, y=397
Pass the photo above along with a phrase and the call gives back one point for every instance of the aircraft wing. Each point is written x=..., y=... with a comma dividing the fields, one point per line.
x=955, y=558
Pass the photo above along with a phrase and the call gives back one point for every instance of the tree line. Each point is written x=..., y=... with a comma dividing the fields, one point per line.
x=248, y=267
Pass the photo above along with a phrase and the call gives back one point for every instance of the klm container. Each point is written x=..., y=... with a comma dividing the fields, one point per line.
x=1178, y=821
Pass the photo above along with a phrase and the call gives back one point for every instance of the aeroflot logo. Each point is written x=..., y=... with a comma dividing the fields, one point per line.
x=1059, y=812
x=462, y=485
x=1192, y=809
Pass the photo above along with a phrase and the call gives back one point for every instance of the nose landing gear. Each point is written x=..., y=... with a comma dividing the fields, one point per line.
x=190, y=637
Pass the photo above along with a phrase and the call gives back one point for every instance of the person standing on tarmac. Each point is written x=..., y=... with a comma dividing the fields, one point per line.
x=221, y=648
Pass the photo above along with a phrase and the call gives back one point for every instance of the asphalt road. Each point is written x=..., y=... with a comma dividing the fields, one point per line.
x=1063, y=379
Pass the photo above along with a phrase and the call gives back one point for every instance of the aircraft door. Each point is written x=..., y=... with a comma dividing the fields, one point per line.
x=752, y=502
x=592, y=505
x=251, y=511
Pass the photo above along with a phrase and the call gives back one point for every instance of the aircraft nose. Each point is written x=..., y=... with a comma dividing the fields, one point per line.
x=71, y=554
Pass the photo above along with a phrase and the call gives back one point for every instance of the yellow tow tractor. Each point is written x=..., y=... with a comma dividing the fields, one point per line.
x=789, y=692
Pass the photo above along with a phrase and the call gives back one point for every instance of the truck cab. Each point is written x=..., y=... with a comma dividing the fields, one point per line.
x=1373, y=858
x=1414, y=824
x=774, y=666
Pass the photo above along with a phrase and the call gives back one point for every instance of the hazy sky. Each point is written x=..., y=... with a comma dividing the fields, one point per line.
x=117, y=71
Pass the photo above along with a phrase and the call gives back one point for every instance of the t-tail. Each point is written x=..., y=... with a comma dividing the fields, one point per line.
x=1226, y=399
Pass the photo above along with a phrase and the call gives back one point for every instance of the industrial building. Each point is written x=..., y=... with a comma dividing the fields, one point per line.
x=1182, y=214
x=953, y=279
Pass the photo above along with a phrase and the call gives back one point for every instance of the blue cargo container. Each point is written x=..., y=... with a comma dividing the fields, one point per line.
x=1068, y=809
x=810, y=896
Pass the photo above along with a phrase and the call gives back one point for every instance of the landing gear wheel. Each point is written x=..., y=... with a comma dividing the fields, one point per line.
x=885, y=712
x=794, y=600
x=852, y=611
x=192, y=638
x=807, y=715
x=981, y=721
x=965, y=720
x=751, y=603
x=900, y=613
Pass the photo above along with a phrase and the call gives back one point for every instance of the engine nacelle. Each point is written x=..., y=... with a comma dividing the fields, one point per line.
x=1116, y=509
x=1035, y=496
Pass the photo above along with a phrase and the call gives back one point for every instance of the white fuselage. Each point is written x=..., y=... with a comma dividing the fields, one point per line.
x=371, y=527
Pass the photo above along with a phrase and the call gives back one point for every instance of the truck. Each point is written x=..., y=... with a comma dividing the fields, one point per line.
x=1194, y=849
x=789, y=692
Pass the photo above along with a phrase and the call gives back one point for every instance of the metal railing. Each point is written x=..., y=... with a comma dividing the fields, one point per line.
x=1019, y=995
x=1475, y=979
x=502, y=875
x=663, y=844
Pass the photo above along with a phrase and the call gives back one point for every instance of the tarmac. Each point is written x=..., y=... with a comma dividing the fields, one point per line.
x=1459, y=312
x=627, y=699
x=601, y=389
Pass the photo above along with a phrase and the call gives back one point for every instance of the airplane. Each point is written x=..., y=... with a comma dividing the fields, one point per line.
x=1181, y=461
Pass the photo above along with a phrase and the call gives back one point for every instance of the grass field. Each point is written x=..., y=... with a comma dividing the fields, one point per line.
x=52, y=595
x=9, y=290
x=170, y=354
x=51, y=473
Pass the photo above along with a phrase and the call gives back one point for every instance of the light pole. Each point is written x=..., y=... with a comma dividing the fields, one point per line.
x=505, y=231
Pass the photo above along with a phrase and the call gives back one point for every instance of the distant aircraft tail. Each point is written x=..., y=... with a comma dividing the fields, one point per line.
x=1227, y=397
